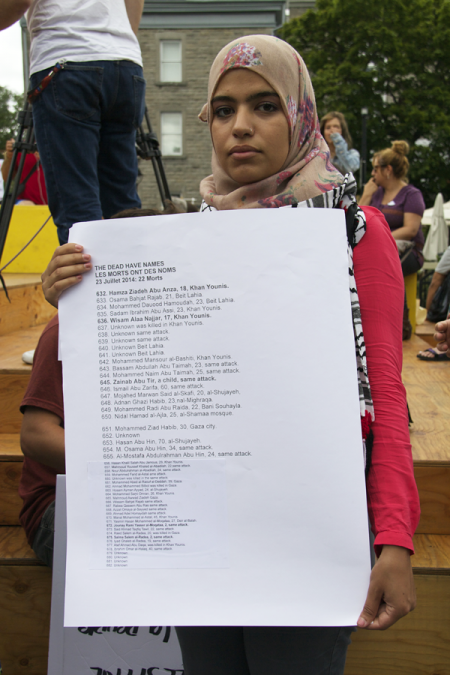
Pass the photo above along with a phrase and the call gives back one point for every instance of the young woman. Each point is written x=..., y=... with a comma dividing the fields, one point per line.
x=334, y=129
x=268, y=152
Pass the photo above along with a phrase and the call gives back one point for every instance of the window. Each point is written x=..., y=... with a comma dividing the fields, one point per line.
x=172, y=133
x=170, y=61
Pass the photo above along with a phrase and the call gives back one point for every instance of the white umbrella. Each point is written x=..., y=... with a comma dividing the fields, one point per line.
x=437, y=238
x=428, y=214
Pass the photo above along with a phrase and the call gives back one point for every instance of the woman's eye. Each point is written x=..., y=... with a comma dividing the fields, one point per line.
x=223, y=111
x=267, y=107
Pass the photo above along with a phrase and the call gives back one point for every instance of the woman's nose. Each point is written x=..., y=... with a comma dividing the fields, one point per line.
x=243, y=125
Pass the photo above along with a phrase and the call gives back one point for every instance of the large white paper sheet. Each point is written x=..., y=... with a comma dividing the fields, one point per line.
x=102, y=650
x=214, y=455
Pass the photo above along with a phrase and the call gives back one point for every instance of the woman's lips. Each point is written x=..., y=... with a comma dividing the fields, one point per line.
x=243, y=151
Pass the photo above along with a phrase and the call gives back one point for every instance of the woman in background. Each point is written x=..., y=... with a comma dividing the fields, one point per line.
x=334, y=129
x=401, y=204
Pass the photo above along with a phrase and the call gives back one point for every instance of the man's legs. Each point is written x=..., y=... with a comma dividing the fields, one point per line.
x=67, y=125
x=85, y=124
x=123, y=107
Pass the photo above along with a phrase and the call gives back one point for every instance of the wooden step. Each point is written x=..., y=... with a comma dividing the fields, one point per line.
x=425, y=331
x=10, y=502
x=25, y=592
x=28, y=306
x=428, y=392
x=433, y=483
x=11, y=459
x=14, y=548
x=419, y=643
x=14, y=375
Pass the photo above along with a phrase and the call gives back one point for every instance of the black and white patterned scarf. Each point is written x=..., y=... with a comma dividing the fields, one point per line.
x=343, y=197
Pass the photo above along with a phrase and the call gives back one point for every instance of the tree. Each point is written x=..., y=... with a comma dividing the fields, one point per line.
x=10, y=104
x=393, y=58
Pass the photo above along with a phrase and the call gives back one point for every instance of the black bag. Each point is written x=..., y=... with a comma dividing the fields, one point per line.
x=441, y=302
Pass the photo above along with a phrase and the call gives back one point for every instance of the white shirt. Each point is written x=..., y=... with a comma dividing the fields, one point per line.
x=80, y=30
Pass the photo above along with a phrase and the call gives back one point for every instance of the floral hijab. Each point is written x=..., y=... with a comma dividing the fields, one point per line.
x=307, y=171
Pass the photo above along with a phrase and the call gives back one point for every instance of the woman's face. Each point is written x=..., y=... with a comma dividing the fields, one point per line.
x=380, y=174
x=333, y=126
x=250, y=132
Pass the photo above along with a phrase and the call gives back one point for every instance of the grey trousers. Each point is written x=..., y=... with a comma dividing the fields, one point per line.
x=43, y=539
x=263, y=650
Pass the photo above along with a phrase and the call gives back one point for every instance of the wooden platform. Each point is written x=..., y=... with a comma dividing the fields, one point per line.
x=425, y=331
x=428, y=390
x=14, y=374
x=28, y=306
x=417, y=645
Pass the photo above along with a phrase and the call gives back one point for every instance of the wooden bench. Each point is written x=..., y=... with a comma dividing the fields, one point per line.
x=417, y=645
x=25, y=584
x=425, y=331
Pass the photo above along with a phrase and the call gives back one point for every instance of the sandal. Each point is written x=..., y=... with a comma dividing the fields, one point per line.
x=437, y=355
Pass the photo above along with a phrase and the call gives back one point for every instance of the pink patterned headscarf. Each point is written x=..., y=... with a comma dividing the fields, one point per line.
x=307, y=171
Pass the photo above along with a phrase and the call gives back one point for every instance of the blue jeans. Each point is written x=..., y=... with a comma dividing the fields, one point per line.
x=85, y=124
x=263, y=650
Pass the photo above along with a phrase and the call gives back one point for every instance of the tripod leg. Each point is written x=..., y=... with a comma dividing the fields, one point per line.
x=11, y=189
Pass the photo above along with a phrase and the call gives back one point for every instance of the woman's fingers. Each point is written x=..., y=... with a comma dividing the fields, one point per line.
x=442, y=335
x=64, y=270
x=391, y=593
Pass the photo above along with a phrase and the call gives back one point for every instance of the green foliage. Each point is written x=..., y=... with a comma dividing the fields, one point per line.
x=10, y=104
x=392, y=57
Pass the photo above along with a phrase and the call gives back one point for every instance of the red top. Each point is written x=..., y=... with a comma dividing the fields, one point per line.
x=392, y=493
x=393, y=499
x=37, y=483
x=35, y=189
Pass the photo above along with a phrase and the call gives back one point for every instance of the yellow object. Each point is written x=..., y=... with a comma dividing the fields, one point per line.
x=25, y=222
x=421, y=313
x=411, y=294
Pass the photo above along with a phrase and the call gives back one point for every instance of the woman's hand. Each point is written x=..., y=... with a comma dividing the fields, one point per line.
x=369, y=190
x=442, y=335
x=64, y=270
x=391, y=593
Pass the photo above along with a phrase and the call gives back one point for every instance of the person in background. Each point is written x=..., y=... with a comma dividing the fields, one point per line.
x=401, y=204
x=440, y=273
x=32, y=188
x=334, y=129
x=86, y=116
x=442, y=335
